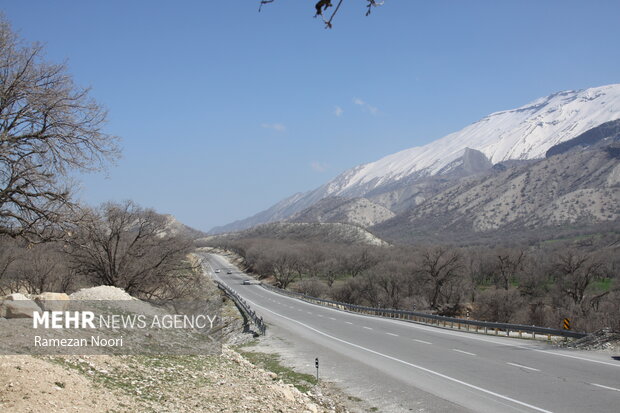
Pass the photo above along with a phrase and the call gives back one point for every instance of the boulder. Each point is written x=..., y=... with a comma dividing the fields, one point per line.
x=311, y=407
x=52, y=301
x=283, y=391
x=17, y=306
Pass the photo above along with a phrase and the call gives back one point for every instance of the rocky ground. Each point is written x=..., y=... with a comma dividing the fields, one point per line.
x=602, y=340
x=227, y=382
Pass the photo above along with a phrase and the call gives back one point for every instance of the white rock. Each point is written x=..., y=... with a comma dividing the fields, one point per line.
x=312, y=407
x=17, y=306
x=52, y=301
x=102, y=292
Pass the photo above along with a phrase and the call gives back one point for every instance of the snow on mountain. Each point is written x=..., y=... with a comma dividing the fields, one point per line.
x=523, y=133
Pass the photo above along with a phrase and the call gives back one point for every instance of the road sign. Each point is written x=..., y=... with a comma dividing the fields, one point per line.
x=566, y=324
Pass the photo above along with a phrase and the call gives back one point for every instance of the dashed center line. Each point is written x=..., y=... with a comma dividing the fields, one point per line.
x=348, y=322
x=367, y=328
x=522, y=366
x=319, y=315
x=309, y=312
x=605, y=387
x=392, y=334
x=422, y=341
x=332, y=318
x=464, y=352
x=415, y=366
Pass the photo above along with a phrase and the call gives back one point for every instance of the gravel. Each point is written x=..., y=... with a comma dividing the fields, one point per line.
x=102, y=292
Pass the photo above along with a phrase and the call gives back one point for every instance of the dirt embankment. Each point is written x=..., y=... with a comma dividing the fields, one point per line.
x=216, y=383
x=226, y=383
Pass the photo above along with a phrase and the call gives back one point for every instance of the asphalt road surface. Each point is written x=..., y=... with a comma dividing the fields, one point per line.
x=402, y=366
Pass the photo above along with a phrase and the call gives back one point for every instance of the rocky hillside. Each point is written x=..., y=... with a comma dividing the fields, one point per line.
x=578, y=187
x=320, y=232
x=175, y=227
x=356, y=211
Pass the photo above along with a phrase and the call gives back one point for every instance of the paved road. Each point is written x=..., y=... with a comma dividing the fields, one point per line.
x=402, y=366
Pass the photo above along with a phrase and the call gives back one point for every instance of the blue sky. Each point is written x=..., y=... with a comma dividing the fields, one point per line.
x=224, y=111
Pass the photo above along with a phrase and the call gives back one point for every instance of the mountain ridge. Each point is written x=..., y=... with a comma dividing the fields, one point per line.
x=407, y=178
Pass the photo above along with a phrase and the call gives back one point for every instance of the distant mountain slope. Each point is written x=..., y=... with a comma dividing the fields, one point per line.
x=576, y=187
x=319, y=232
x=356, y=211
x=397, y=181
x=175, y=227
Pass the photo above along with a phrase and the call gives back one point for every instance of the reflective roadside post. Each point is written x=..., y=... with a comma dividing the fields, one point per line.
x=316, y=364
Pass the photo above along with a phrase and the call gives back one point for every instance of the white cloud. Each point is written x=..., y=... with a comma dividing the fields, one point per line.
x=373, y=110
x=338, y=111
x=319, y=166
x=278, y=127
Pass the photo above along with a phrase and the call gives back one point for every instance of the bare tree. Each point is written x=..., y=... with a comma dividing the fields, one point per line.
x=509, y=264
x=48, y=127
x=438, y=267
x=132, y=248
x=322, y=6
x=498, y=304
x=330, y=269
x=285, y=267
x=357, y=261
x=575, y=272
x=7, y=258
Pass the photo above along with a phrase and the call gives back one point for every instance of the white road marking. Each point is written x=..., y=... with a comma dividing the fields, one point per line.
x=368, y=328
x=348, y=322
x=309, y=312
x=319, y=315
x=392, y=334
x=522, y=366
x=471, y=386
x=464, y=352
x=332, y=318
x=605, y=387
x=489, y=340
x=422, y=341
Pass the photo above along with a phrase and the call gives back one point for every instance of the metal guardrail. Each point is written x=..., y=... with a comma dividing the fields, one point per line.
x=485, y=327
x=244, y=307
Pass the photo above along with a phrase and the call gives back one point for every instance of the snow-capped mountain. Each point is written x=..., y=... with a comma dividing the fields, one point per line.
x=524, y=133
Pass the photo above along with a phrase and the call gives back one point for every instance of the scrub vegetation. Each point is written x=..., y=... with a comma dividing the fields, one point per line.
x=537, y=284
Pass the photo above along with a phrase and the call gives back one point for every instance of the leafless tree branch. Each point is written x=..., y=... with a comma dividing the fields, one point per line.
x=48, y=127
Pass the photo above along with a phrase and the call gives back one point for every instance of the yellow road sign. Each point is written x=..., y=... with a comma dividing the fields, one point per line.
x=566, y=324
